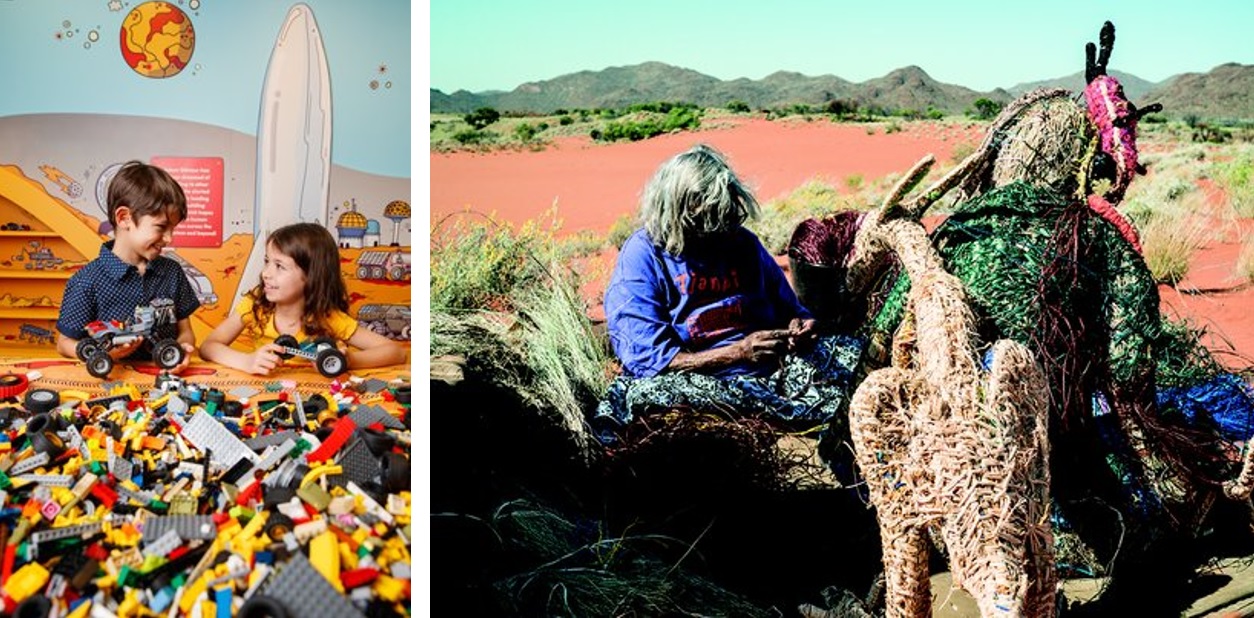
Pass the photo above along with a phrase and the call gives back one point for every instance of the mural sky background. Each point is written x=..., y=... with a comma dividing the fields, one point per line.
x=222, y=85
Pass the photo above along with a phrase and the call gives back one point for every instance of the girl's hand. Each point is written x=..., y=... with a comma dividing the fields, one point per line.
x=187, y=359
x=264, y=360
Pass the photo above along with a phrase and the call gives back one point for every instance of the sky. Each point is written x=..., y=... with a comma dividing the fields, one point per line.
x=480, y=45
x=50, y=65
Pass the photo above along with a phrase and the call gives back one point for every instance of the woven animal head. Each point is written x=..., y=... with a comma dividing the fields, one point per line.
x=1114, y=117
x=870, y=245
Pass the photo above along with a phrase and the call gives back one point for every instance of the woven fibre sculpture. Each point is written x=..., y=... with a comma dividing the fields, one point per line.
x=945, y=446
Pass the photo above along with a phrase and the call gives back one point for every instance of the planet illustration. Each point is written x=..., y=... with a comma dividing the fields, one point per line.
x=157, y=39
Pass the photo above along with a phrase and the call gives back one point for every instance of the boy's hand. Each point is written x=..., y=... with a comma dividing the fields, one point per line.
x=187, y=359
x=264, y=360
x=122, y=351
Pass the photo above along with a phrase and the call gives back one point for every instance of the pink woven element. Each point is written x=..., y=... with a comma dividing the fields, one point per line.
x=1108, y=212
x=1115, y=119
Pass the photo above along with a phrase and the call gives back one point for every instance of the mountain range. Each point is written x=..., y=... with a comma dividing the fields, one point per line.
x=1224, y=92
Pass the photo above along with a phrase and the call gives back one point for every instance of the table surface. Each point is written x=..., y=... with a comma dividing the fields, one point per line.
x=63, y=373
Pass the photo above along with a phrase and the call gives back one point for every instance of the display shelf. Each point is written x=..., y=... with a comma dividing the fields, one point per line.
x=29, y=313
x=6, y=273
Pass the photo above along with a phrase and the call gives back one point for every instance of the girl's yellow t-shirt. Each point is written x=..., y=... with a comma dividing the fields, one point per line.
x=341, y=324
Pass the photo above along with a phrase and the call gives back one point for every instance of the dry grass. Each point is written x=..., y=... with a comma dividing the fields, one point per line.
x=1245, y=261
x=1169, y=240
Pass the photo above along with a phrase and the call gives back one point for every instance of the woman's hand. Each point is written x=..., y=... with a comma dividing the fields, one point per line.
x=764, y=345
x=801, y=334
x=264, y=360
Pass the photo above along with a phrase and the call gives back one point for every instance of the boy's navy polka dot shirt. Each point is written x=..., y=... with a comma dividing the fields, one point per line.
x=109, y=289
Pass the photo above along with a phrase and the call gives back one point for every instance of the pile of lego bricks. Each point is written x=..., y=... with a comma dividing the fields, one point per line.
x=184, y=500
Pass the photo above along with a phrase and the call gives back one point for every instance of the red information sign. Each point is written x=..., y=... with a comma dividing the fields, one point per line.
x=201, y=178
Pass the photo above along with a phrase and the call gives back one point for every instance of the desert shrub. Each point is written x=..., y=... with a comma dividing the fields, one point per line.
x=961, y=151
x=565, y=120
x=622, y=228
x=985, y=109
x=892, y=127
x=469, y=137
x=482, y=117
x=525, y=132
x=678, y=118
x=1236, y=176
x=481, y=265
x=854, y=182
x=778, y=218
x=737, y=106
x=1168, y=242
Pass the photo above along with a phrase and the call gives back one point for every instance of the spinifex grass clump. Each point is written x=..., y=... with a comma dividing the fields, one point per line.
x=1236, y=176
x=507, y=302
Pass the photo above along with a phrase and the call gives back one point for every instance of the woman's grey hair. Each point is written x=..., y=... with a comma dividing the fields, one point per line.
x=694, y=193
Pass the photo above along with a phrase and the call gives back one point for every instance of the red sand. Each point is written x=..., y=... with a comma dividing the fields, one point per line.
x=593, y=185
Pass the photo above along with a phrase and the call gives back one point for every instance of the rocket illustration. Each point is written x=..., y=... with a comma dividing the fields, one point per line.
x=293, y=137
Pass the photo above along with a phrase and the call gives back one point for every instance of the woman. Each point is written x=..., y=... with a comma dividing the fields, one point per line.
x=702, y=317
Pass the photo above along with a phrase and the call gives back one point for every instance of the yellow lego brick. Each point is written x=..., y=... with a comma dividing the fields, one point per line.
x=348, y=558
x=191, y=593
x=324, y=556
x=31, y=578
x=389, y=588
x=130, y=605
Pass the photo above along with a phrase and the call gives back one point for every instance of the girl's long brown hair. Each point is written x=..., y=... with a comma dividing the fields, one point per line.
x=314, y=250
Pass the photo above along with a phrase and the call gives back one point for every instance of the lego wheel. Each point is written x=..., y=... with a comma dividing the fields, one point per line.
x=331, y=362
x=278, y=525
x=287, y=341
x=100, y=364
x=42, y=400
x=86, y=348
x=12, y=385
x=262, y=606
x=169, y=354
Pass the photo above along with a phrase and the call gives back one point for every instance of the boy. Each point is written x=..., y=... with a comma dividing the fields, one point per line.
x=145, y=204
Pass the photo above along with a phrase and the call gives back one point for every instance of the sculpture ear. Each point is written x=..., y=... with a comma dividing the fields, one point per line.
x=1096, y=67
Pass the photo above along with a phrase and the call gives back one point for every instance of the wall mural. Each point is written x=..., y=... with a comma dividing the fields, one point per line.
x=247, y=128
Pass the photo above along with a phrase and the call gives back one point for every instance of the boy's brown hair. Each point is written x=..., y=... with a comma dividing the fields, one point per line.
x=314, y=250
x=148, y=191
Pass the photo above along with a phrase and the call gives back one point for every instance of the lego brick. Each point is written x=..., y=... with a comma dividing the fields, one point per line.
x=359, y=464
x=260, y=443
x=205, y=432
x=164, y=544
x=304, y=592
x=367, y=415
x=188, y=527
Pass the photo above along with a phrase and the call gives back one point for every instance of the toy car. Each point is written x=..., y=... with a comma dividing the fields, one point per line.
x=328, y=358
x=104, y=335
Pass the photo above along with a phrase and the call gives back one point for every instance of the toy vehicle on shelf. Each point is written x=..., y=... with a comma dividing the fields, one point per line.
x=326, y=357
x=104, y=335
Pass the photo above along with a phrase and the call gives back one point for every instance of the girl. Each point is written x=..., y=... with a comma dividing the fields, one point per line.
x=302, y=294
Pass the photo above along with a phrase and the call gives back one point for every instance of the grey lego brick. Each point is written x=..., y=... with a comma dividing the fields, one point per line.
x=188, y=527
x=374, y=385
x=305, y=593
x=366, y=415
x=241, y=392
x=358, y=463
x=260, y=443
x=204, y=431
